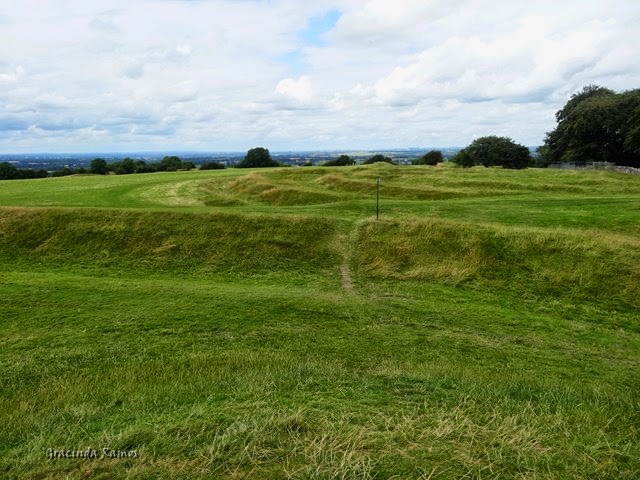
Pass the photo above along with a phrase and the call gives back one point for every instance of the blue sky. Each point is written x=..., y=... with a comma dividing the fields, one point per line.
x=338, y=74
x=311, y=36
x=317, y=26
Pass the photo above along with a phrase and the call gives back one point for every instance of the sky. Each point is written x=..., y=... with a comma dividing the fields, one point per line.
x=229, y=75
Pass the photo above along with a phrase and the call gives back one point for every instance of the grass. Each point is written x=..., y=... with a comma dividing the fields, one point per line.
x=490, y=329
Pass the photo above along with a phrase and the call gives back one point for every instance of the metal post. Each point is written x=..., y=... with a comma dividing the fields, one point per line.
x=377, y=198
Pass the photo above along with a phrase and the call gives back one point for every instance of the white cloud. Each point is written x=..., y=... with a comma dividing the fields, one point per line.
x=376, y=23
x=215, y=75
x=13, y=75
x=103, y=25
x=476, y=69
x=299, y=89
x=133, y=69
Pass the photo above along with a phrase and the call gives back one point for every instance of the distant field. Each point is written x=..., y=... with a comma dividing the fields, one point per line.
x=263, y=324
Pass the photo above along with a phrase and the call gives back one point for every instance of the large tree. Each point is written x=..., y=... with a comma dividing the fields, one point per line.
x=170, y=163
x=257, y=158
x=493, y=151
x=433, y=157
x=99, y=166
x=596, y=125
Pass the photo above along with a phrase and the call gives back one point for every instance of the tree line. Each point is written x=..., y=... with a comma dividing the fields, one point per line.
x=99, y=166
x=430, y=158
x=487, y=151
x=595, y=125
x=172, y=163
x=11, y=172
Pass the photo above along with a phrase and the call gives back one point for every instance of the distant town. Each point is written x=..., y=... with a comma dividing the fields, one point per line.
x=56, y=161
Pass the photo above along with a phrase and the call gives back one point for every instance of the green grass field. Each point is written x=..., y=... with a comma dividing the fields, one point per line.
x=263, y=324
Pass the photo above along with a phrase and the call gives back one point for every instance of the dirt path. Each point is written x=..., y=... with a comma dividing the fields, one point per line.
x=347, y=283
x=344, y=242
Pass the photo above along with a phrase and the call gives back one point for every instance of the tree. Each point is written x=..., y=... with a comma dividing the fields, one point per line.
x=99, y=166
x=65, y=172
x=463, y=158
x=590, y=91
x=170, y=163
x=28, y=173
x=494, y=151
x=341, y=161
x=257, y=158
x=8, y=171
x=124, y=167
x=212, y=166
x=632, y=139
x=140, y=166
x=541, y=157
x=433, y=157
x=378, y=158
x=11, y=172
x=596, y=125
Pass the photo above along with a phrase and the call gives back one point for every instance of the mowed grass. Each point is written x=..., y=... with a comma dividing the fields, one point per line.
x=264, y=324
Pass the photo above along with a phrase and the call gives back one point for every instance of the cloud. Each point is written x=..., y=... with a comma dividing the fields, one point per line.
x=13, y=123
x=475, y=69
x=379, y=22
x=313, y=74
x=103, y=25
x=299, y=89
x=184, y=92
x=134, y=69
x=12, y=75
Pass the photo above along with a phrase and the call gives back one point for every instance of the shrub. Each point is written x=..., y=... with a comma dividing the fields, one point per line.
x=433, y=157
x=341, y=161
x=212, y=166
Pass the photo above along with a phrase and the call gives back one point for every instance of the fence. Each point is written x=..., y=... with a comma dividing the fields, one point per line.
x=595, y=166
x=583, y=165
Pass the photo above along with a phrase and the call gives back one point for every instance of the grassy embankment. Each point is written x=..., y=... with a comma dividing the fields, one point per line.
x=263, y=324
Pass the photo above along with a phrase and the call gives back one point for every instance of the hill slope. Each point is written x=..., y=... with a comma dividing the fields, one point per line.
x=489, y=327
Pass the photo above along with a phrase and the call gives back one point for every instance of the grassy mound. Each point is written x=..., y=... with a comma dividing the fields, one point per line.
x=574, y=264
x=166, y=240
x=578, y=265
x=263, y=188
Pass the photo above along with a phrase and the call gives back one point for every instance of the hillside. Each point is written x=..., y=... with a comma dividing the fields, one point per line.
x=264, y=324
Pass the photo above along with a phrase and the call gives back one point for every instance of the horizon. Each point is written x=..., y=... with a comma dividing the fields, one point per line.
x=236, y=152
